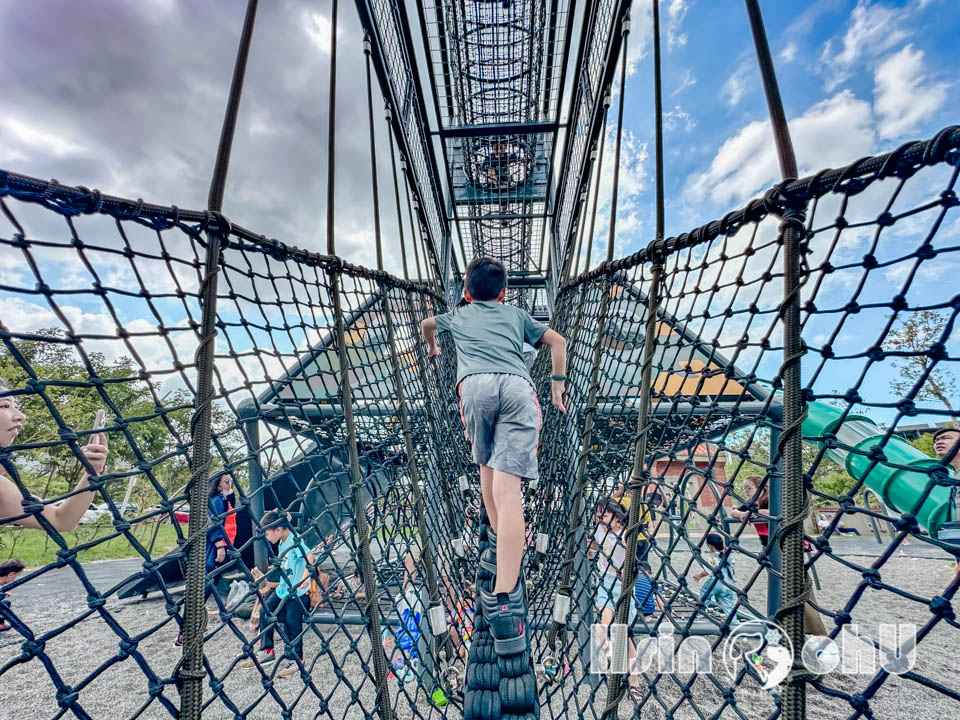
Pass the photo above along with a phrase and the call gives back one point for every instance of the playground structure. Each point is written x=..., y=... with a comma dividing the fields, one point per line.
x=332, y=413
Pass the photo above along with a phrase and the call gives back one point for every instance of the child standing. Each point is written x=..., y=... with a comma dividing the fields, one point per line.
x=719, y=569
x=608, y=545
x=501, y=417
x=287, y=603
x=645, y=593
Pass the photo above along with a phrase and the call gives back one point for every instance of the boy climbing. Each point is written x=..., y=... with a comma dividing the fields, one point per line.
x=501, y=417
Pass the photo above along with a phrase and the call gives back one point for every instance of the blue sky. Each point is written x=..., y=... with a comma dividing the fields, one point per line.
x=129, y=99
x=857, y=78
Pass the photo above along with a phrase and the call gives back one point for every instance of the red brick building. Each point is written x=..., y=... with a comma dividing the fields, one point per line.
x=693, y=469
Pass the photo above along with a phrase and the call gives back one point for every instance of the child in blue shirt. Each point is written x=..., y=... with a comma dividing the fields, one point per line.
x=287, y=603
x=718, y=569
x=646, y=595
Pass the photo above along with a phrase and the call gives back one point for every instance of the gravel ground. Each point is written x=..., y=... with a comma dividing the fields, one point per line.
x=120, y=688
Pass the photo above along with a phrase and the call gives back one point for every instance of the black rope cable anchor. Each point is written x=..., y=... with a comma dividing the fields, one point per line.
x=191, y=667
x=639, y=475
x=384, y=707
x=435, y=612
x=789, y=445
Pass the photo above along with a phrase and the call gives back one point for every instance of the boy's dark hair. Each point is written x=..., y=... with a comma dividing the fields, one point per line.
x=944, y=430
x=485, y=278
x=275, y=519
x=614, y=508
x=715, y=541
x=13, y=565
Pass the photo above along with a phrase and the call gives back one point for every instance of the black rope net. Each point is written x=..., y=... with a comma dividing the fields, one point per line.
x=381, y=512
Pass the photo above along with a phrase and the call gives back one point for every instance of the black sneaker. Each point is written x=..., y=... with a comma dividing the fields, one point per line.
x=507, y=620
x=488, y=558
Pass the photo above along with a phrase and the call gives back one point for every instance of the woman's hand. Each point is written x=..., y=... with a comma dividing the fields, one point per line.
x=96, y=452
x=221, y=554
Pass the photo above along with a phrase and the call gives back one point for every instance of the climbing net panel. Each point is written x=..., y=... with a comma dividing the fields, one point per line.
x=325, y=409
x=103, y=311
x=879, y=342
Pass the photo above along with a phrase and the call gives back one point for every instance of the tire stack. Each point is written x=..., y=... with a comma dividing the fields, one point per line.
x=497, y=686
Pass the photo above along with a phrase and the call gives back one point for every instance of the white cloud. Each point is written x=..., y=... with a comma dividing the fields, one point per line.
x=789, y=53
x=686, y=80
x=873, y=29
x=14, y=132
x=736, y=85
x=12, y=266
x=676, y=12
x=678, y=117
x=902, y=98
x=831, y=133
x=633, y=181
x=641, y=30
x=317, y=27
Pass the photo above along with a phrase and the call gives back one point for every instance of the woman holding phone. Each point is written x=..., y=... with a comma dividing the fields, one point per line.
x=65, y=516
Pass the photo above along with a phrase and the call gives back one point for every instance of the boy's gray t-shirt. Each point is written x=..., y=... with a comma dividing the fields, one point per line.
x=489, y=337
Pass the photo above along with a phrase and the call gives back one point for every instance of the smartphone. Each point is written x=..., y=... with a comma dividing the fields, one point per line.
x=99, y=420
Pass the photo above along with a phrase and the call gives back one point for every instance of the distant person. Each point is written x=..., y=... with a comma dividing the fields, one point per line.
x=608, y=546
x=720, y=572
x=625, y=499
x=946, y=443
x=608, y=549
x=287, y=604
x=751, y=490
x=646, y=595
x=222, y=531
x=846, y=529
x=67, y=514
x=9, y=569
x=823, y=523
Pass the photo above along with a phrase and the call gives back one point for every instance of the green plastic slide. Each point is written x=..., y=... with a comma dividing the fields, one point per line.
x=899, y=473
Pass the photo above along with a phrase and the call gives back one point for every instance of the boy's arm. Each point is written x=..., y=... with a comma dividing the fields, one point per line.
x=558, y=358
x=429, y=329
x=305, y=580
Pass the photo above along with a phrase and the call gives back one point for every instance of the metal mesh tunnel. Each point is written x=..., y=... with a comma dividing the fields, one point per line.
x=199, y=421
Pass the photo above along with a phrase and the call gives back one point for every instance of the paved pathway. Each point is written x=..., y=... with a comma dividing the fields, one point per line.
x=106, y=574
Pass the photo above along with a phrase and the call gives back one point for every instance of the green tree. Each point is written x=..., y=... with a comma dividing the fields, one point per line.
x=158, y=424
x=916, y=335
x=924, y=444
x=835, y=482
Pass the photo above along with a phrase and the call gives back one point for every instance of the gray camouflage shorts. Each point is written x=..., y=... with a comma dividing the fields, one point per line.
x=501, y=418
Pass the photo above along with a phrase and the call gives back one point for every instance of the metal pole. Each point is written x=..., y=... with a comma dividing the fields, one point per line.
x=191, y=672
x=251, y=430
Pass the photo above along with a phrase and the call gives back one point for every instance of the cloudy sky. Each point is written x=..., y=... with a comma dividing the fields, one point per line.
x=128, y=97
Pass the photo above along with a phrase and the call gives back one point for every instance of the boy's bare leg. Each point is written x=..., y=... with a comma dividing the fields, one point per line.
x=486, y=489
x=509, y=529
